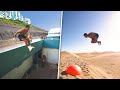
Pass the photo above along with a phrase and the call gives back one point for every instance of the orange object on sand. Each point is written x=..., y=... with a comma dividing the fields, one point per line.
x=74, y=70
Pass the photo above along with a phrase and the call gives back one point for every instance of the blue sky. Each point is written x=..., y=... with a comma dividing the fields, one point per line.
x=44, y=19
x=76, y=23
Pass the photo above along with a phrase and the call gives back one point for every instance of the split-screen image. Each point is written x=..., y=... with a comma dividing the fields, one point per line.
x=59, y=45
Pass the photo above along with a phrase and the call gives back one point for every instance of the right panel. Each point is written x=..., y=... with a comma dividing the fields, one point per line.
x=90, y=47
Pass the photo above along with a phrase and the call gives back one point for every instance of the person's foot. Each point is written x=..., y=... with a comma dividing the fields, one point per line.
x=99, y=42
x=30, y=48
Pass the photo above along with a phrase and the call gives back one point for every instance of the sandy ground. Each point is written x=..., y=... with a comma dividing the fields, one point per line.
x=47, y=72
x=103, y=65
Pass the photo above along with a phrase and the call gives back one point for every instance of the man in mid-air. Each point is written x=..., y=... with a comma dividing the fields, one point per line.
x=94, y=36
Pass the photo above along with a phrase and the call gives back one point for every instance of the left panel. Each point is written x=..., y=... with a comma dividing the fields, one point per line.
x=30, y=44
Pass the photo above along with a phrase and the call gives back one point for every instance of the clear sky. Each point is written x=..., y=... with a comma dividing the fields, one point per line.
x=76, y=23
x=44, y=19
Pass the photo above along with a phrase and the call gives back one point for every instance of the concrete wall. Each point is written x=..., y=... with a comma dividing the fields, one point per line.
x=15, y=57
x=14, y=63
x=18, y=72
x=51, y=54
x=51, y=50
x=54, y=44
x=8, y=42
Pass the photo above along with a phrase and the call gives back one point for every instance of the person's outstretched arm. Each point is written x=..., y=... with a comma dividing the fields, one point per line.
x=19, y=31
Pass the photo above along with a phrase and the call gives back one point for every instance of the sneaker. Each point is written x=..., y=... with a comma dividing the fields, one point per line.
x=30, y=48
x=99, y=43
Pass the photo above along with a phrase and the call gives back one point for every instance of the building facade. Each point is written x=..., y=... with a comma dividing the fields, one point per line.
x=2, y=14
x=14, y=15
x=27, y=20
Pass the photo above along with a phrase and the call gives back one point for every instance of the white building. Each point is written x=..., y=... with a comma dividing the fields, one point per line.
x=19, y=15
x=7, y=14
x=14, y=15
x=51, y=50
x=27, y=20
x=21, y=18
x=2, y=15
x=54, y=33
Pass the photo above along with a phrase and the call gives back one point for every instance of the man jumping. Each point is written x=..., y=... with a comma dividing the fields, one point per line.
x=22, y=35
x=93, y=36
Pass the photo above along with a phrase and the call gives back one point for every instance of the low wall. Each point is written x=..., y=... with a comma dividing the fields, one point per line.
x=15, y=57
x=51, y=54
x=17, y=61
x=18, y=72
x=51, y=44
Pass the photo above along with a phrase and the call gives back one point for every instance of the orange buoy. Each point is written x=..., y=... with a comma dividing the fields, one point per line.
x=74, y=70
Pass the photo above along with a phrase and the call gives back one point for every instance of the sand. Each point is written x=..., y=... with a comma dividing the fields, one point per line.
x=97, y=65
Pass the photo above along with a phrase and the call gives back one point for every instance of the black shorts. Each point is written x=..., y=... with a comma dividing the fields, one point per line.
x=21, y=36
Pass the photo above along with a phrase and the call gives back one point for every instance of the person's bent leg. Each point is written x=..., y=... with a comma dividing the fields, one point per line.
x=93, y=41
x=99, y=42
x=26, y=42
x=29, y=46
x=29, y=42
